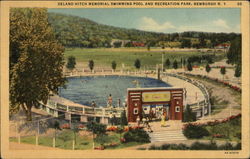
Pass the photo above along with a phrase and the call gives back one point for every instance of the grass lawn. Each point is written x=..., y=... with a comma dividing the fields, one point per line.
x=65, y=138
x=125, y=145
x=230, y=130
x=104, y=56
x=217, y=104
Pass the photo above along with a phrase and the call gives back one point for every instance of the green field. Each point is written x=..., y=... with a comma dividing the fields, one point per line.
x=104, y=56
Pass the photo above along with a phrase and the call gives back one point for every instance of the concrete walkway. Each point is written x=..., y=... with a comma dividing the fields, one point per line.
x=171, y=132
x=194, y=94
x=170, y=125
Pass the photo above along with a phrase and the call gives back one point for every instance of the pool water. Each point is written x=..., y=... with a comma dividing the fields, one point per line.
x=84, y=90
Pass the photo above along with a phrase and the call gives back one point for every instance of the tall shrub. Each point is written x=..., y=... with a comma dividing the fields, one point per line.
x=192, y=131
x=137, y=135
x=189, y=116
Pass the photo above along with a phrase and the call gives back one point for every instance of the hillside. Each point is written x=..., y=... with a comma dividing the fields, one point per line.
x=76, y=31
x=73, y=31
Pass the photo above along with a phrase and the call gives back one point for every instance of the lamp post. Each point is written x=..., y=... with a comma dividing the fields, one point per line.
x=162, y=60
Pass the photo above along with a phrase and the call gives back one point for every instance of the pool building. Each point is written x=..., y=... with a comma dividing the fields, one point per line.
x=155, y=102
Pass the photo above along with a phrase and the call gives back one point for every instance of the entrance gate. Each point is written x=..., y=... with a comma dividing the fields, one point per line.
x=155, y=101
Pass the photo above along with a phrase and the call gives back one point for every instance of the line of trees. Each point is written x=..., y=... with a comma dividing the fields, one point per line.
x=137, y=64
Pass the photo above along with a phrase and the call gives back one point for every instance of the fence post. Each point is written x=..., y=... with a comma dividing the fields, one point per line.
x=54, y=141
x=38, y=128
x=83, y=110
x=16, y=130
x=203, y=110
x=70, y=121
x=93, y=142
x=73, y=145
x=19, y=138
x=36, y=140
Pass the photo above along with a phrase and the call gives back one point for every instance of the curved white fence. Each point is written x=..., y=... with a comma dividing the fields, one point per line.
x=203, y=107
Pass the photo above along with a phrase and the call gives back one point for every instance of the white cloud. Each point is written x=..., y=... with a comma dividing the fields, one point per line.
x=149, y=24
x=221, y=23
x=218, y=25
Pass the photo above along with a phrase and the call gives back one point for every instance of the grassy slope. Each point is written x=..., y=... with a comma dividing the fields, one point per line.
x=231, y=130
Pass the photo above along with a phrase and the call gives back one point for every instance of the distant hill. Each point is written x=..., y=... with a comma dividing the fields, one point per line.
x=74, y=31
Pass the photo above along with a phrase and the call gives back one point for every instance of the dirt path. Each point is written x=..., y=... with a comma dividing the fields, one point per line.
x=22, y=146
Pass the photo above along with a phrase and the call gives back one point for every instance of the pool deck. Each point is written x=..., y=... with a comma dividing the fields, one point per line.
x=65, y=101
x=194, y=94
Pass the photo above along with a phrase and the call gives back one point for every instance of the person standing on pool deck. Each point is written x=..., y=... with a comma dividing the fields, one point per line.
x=110, y=100
x=93, y=105
x=119, y=103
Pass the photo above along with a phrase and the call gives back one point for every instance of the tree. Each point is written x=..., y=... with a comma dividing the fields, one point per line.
x=184, y=62
x=148, y=47
x=97, y=129
x=237, y=72
x=208, y=68
x=129, y=44
x=189, y=115
x=186, y=43
x=189, y=66
x=36, y=59
x=167, y=63
x=124, y=120
x=117, y=44
x=91, y=65
x=202, y=42
x=223, y=71
x=102, y=139
x=71, y=63
x=120, y=130
x=175, y=64
x=56, y=126
x=234, y=53
x=75, y=129
x=114, y=120
x=137, y=64
x=113, y=65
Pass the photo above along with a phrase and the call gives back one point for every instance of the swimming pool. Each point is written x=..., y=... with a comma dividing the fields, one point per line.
x=84, y=90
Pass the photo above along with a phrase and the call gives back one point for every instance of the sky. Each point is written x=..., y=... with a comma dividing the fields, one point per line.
x=166, y=20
